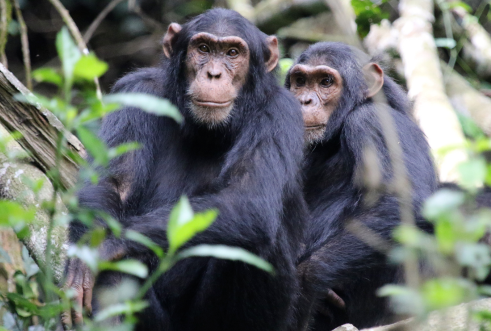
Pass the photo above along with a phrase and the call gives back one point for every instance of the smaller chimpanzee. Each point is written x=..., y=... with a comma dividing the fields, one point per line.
x=336, y=85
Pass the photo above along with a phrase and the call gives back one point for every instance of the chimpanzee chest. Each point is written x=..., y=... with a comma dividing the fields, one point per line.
x=182, y=171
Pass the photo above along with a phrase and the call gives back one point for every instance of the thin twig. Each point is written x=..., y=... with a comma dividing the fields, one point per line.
x=65, y=15
x=25, y=44
x=95, y=24
x=134, y=7
x=5, y=11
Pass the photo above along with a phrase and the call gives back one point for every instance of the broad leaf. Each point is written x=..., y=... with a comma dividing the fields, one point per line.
x=146, y=102
x=184, y=225
x=129, y=307
x=472, y=173
x=445, y=43
x=227, y=253
x=130, y=267
x=443, y=201
x=123, y=149
x=89, y=256
x=145, y=241
x=13, y=213
x=90, y=67
x=68, y=53
x=94, y=145
x=47, y=75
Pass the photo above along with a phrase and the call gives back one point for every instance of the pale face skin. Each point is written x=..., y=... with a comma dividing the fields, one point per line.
x=217, y=69
x=318, y=88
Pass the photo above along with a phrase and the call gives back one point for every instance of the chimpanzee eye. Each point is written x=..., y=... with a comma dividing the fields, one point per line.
x=204, y=48
x=328, y=81
x=233, y=52
x=300, y=81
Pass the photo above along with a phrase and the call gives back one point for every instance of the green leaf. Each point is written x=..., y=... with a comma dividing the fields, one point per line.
x=445, y=43
x=458, y=4
x=183, y=225
x=127, y=308
x=30, y=266
x=476, y=256
x=227, y=253
x=96, y=111
x=130, y=267
x=145, y=241
x=94, y=145
x=123, y=149
x=88, y=255
x=408, y=235
x=470, y=128
x=404, y=300
x=146, y=102
x=443, y=201
x=472, y=173
x=13, y=213
x=68, y=53
x=444, y=292
x=90, y=67
x=47, y=75
x=446, y=234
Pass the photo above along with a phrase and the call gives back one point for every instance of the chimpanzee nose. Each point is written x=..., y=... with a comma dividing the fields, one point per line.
x=306, y=100
x=213, y=73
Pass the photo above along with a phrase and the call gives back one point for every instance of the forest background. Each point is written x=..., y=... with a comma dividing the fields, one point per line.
x=440, y=51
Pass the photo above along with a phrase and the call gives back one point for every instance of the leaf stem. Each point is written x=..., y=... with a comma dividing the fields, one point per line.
x=65, y=15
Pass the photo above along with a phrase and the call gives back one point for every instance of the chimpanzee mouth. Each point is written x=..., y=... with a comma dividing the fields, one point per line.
x=212, y=104
x=314, y=127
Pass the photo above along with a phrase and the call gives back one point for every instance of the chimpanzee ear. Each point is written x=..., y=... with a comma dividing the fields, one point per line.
x=374, y=77
x=172, y=32
x=275, y=53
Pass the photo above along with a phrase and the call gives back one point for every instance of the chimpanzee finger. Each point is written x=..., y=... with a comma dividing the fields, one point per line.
x=335, y=299
x=66, y=320
x=66, y=315
x=76, y=310
x=87, y=285
x=77, y=316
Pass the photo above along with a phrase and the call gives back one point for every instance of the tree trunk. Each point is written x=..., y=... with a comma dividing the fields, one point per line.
x=425, y=85
x=36, y=154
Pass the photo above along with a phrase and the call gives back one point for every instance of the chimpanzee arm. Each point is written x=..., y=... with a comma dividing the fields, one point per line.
x=346, y=256
x=122, y=182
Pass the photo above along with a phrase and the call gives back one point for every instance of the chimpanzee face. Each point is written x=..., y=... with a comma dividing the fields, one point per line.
x=217, y=69
x=319, y=89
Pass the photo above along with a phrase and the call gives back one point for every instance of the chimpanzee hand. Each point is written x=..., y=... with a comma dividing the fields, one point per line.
x=307, y=275
x=79, y=278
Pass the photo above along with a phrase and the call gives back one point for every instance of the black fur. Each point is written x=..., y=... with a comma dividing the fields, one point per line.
x=248, y=168
x=338, y=259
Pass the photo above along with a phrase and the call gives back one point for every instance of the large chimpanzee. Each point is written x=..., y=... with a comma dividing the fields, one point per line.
x=239, y=150
x=336, y=85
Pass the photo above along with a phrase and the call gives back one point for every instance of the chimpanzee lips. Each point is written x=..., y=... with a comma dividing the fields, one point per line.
x=314, y=127
x=212, y=104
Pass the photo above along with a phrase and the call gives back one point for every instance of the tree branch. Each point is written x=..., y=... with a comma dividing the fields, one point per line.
x=13, y=184
x=39, y=128
x=25, y=44
x=270, y=15
x=5, y=15
x=65, y=15
x=102, y=15
x=467, y=99
x=477, y=50
x=424, y=80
